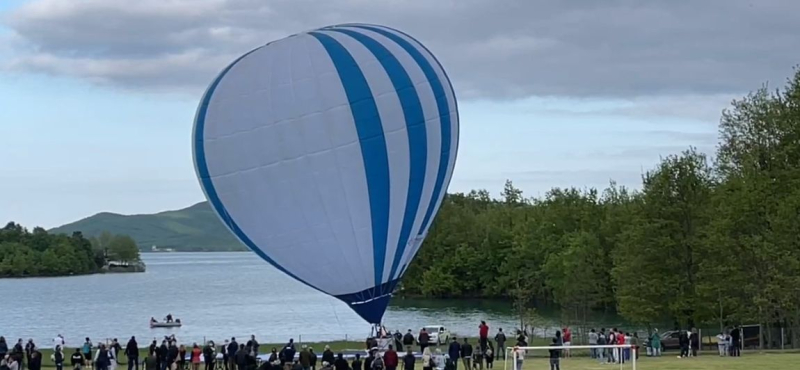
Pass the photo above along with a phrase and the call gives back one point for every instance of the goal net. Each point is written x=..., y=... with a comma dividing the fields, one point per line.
x=571, y=357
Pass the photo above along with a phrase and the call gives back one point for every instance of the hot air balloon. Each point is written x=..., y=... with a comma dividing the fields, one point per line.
x=328, y=154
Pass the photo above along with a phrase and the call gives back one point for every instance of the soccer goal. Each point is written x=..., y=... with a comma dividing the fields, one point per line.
x=571, y=357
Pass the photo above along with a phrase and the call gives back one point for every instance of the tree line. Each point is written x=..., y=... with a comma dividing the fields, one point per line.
x=712, y=241
x=25, y=253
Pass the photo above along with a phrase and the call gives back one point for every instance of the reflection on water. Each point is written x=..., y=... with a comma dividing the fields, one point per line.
x=216, y=295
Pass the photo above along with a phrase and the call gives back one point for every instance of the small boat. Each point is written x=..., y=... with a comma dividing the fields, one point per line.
x=173, y=324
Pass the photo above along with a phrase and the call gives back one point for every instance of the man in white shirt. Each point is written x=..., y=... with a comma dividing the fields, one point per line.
x=58, y=341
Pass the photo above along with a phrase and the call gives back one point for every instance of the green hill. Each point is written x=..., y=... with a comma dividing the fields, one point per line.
x=196, y=228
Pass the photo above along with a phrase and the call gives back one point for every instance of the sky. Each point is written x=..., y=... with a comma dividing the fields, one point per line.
x=97, y=97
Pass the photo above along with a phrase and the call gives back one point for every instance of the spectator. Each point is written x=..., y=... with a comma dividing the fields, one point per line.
x=408, y=360
x=483, y=335
x=390, y=359
x=132, y=352
x=500, y=339
x=357, y=363
x=77, y=359
x=341, y=363
x=454, y=352
x=555, y=356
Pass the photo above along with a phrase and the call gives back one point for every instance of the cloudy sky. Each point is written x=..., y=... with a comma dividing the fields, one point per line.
x=97, y=97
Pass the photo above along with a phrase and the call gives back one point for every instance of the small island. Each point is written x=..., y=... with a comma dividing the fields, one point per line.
x=37, y=253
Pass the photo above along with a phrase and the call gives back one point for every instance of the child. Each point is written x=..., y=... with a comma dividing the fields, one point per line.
x=489, y=358
x=555, y=356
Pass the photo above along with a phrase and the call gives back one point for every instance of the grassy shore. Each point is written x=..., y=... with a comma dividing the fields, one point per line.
x=750, y=360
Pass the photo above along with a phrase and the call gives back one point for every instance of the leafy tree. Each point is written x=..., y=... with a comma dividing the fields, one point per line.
x=123, y=249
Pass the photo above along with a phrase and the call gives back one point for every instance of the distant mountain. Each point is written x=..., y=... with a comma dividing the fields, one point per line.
x=196, y=228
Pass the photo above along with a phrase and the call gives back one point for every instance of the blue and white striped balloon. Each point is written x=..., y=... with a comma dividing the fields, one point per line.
x=328, y=153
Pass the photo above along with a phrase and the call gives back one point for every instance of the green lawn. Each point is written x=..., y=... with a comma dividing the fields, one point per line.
x=748, y=361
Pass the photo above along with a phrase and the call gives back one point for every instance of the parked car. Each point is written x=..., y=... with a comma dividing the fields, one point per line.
x=437, y=333
x=670, y=339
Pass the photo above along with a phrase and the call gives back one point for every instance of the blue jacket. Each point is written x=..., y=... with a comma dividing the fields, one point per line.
x=454, y=351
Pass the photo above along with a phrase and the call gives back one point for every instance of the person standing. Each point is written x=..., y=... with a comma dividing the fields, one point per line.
x=161, y=354
x=655, y=343
x=58, y=341
x=694, y=342
x=477, y=358
x=196, y=352
x=408, y=360
x=424, y=339
x=601, y=353
x=683, y=341
x=58, y=358
x=209, y=355
x=77, y=359
x=408, y=339
x=328, y=356
x=519, y=356
x=555, y=356
x=722, y=344
x=500, y=339
x=736, y=342
x=35, y=361
x=151, y=361
x=567, y=340
x=29, y=348
x=86, y=349
x=454, y=352
x=132, y=352
x=314, y=358
x=483, y=335
x=593, y=342
x=466, y=354
x=232, y=348
x=390, y=359
x=427, y=359
x=101, y=359
x=356, y=365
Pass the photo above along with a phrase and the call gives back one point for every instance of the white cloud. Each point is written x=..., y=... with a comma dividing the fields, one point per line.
x=492, y=49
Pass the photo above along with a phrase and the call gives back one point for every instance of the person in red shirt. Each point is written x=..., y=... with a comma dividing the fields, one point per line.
x=567, y=340
x=483, y=330
x=390, y=359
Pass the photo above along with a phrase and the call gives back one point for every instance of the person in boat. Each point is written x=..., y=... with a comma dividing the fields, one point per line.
x=153, y=320
x=169, y=317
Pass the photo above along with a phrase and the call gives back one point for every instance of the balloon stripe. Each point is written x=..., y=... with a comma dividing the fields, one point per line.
x=444, y=118
x=417, y=137
x=372, y=141
x=201, y=167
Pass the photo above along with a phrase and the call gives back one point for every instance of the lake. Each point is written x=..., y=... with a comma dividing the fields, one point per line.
x=216, y=296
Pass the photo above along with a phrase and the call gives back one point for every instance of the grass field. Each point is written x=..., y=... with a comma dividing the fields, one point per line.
x=748, y=361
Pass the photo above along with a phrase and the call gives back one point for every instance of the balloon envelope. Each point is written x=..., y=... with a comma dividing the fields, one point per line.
x=328, y=154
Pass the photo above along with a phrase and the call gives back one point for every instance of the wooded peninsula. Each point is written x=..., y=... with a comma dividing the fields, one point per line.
x=26, y=253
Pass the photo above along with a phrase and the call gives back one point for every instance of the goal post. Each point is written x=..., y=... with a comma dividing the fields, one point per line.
x=611, y=354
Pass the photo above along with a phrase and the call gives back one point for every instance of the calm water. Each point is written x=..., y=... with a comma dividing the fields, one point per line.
x=216, y=295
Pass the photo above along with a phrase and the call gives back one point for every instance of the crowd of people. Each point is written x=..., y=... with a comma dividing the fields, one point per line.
x=388, y=354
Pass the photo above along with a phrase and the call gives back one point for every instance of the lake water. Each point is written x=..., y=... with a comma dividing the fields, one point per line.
x=216, y=296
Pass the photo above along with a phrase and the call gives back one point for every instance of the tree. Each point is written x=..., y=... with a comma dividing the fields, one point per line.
x=123, y=248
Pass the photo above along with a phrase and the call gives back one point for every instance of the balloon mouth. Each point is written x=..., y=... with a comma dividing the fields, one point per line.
x=371, y=303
